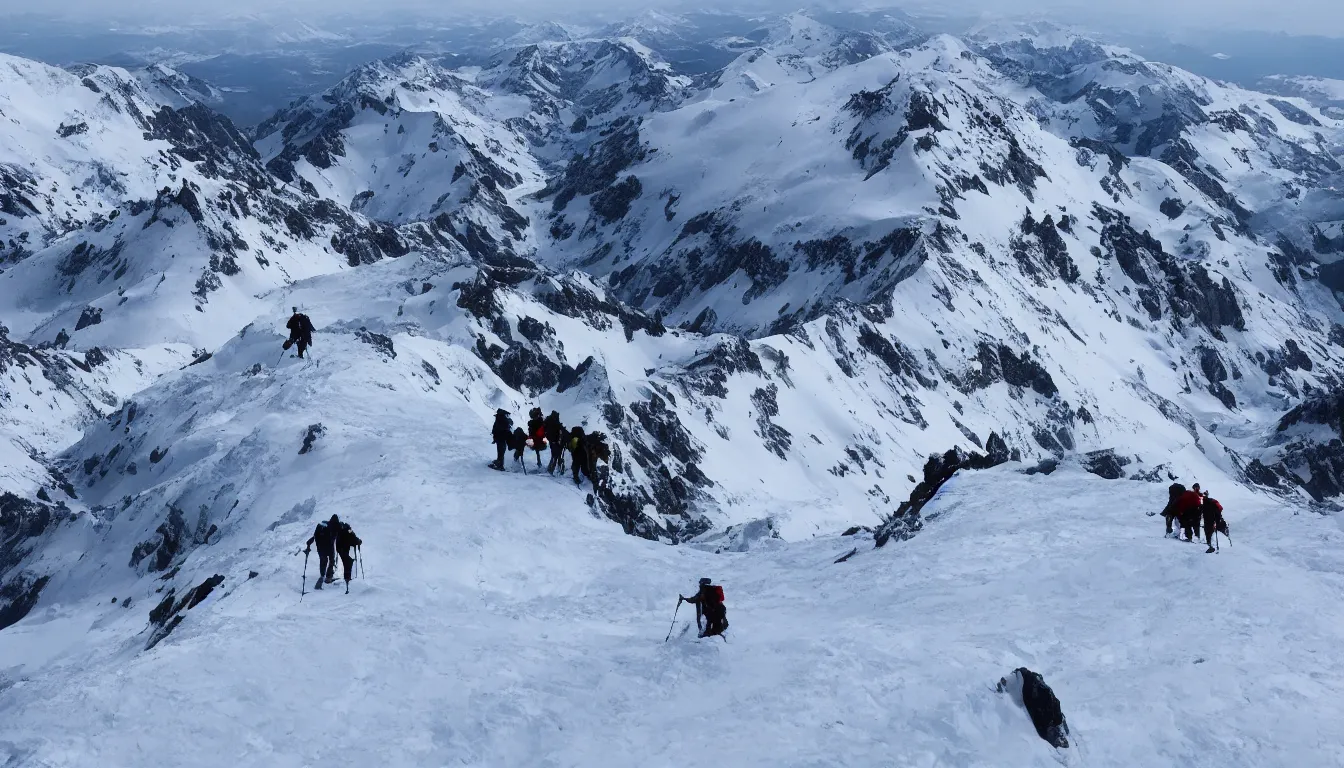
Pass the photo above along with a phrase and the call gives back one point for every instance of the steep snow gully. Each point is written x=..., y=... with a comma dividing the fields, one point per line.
x=779, y=289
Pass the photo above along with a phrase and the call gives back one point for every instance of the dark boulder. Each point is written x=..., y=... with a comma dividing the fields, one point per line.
x=1106, y=464
x=905, y=522
x=377, y=340
x=18, y=597
x=90, y=316
x=169, y=613
x=1029, y=690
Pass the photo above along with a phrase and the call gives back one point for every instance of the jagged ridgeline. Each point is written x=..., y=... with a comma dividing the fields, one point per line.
x=778, y=287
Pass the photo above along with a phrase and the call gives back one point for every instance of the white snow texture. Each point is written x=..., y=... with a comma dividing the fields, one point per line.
x=778, y=290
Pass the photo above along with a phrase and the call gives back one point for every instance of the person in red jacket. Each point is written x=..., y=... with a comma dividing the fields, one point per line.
x=536, y=433
x=1189, y=507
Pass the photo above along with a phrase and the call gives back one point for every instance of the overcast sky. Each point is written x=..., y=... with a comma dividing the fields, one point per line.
x=1323, y=17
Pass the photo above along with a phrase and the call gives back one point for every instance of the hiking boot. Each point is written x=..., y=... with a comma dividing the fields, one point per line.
x=318, y=585
x=1210, y=551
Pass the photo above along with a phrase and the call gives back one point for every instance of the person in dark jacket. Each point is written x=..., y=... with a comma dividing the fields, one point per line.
x=578, y=455
x=710, y=606
x=345, y=541
x=518, y=442
x=300, y=331
x=1170, y=512
x=1188, y=509
x=325, y=537
x=555, y=435
x=501, y=433
x=1213, y=521
x=536, y=432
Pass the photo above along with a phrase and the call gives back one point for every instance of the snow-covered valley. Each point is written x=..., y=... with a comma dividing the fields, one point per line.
x=778, y=289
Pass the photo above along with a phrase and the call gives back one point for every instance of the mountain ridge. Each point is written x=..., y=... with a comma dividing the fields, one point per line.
x=778, y=290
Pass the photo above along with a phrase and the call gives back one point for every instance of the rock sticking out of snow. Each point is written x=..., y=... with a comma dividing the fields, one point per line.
x=1028, y=689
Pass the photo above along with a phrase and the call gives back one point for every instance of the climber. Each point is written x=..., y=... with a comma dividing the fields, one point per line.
x=518, y=442
x=709, y=603
x=1213, y=521
x=325, y=536
x=500, y=433
x=578, y=455
x=300, y=331
x=345, y=541
x=536, y=433
x=1170, y=512
x=555, y=435
x=1188, y=509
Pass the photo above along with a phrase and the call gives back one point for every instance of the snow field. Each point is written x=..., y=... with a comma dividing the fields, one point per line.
x=502, y=624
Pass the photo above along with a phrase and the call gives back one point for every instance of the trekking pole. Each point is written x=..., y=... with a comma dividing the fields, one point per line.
x=303, y=586
x=359, y=556
x=281, y=357
x=674, y=621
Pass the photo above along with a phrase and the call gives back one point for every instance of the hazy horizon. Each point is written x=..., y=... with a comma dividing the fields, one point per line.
x=1299, y=17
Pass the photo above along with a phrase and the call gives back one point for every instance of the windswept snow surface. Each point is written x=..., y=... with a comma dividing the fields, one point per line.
x=1035, y=246
x=501, y=624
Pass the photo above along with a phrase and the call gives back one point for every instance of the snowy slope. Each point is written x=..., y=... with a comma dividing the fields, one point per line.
x=500, y=633
x=778, y=290
x=1324, y=92
x=405, y=140
x=49, y=396
x=918, y=184
x=156, y=222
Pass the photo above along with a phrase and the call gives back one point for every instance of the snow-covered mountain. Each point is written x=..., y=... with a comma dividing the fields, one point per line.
x=138, y=216
x=1324, y=92
x=778, y=288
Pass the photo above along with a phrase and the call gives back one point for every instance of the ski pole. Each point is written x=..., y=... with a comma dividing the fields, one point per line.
x=674, y=620
x=303, y=586
x=281, y=357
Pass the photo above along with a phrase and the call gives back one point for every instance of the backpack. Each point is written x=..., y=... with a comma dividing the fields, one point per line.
x=716, y=592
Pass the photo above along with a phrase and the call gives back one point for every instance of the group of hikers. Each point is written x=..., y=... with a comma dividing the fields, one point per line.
x=1188, y=508
x=332, y=537
x=585, y=449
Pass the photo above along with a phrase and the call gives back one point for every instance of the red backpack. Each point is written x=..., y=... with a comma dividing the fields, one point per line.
x=718, y=592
